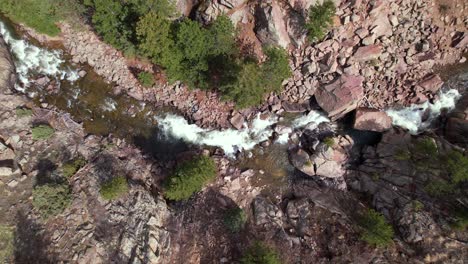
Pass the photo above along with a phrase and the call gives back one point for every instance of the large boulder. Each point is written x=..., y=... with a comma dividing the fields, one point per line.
x=432, y=83
x=341, y=96
x=270, y=26
x=300, y=159
x=331, y=156
x=372, y=120
x=366, y=53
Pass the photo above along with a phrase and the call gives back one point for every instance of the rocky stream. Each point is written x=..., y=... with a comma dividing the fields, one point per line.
x=302, y=174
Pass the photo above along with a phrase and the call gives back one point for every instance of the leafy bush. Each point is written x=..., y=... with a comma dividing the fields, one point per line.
x=116, y=21
x=460, y=219
x=252, y=81
x=426, y=147
x=184, y=48
x=457, y=166
x=249, y=87
x=276, y=68
x=23, y=112
x=189, y=178
x=6, y=244
x=146, y=79
x=320, y=19
x=235, y=219
x=42, y=15
x=51, y=199
x=417, y=205
x=375, y=230
x=114, y=188
x=70, y=168
x=42, y=132
x=260, y=253
x=439, y=187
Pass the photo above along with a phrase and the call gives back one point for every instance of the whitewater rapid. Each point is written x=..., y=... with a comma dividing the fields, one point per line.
x=418, y=117
x=30, y=59
x=232, y=140
x=415, y=118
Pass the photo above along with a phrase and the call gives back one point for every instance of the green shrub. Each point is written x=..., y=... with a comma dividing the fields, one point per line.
x=41, y=132
x=114, y=188
x=42, y=15
x=260, y=254
x=253, y=81
x=235, y=219
x=116, y=21
x=70, y=168
x=276, y=68
x=320, y=19
x=184, y=48
x=23, y=112
x=460, y=219
x=329, y=141
x=6, y=244
x=189, y=178
x=439, y=187
x=248, y=88
x=426, y=147
x=146, y=79
x=457, y=166
x=51, y=199
x=375, y=230
x=417, y=205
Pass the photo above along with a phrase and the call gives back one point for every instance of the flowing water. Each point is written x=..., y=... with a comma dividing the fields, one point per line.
x=161, y=132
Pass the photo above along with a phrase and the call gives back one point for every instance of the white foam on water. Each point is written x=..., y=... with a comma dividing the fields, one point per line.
x=109, y=105
x=311, y=120
x=30, y=59
x=282, y=139
x=411, y=117
x=231, y=140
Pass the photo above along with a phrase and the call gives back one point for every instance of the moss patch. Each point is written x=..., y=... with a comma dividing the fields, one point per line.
x=42, y=132
x=114, y=188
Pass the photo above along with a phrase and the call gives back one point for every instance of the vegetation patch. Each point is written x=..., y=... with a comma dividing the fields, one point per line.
x=320, y=19
x=439, y=187
x=146, y=79
x=6, y=244
x=329, y=141
x=460, y=221
x=114, y=188
x=260, y=253
x=189, y=178
x=23, y=112
x=42, y=15
x=375, y=230
x=205, y=57
x=42, y=132
x=402, y=154
x=457, y=166
x=417, y=205
x=426, y=147
x=51, y=199
x=70, y=168
x=235, y=219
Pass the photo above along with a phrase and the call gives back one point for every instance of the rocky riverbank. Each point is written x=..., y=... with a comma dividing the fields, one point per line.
x=378, y=54
x=315, y=216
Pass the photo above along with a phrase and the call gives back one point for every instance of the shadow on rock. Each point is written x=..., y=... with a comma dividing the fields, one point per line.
x=46, y=169
x=159, y=145
x=31, y=244
x=203, y=217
